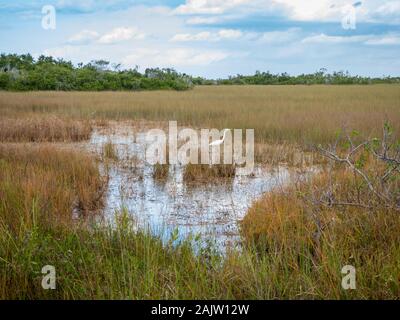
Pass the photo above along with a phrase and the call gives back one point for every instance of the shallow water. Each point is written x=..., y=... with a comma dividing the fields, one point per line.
x=211, y=210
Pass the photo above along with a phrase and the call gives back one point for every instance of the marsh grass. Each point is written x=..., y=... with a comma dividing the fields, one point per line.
x=160, y=171
x=281, y=257
x=41, y=180
x=293, y=248
x=208, y=173
x=109, y=151
x=312, y=243
x=289, y=154
x=45, y=128
x=303, y=115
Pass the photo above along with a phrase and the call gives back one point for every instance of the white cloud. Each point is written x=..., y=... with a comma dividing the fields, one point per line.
x=389, y=12
x=65, y=52
x=299, y=10
x=183, y=37
x=203, y=20
x=310, y=9
x=83, y=37
x=389, y=8
x=121, y=34
x=174, y=57
x=371, y=39
x=208, y=6
x=234, y=34
x=384, y=41
x=228, y=34
x=280, y=36
x=183, y=56
x=323, y=38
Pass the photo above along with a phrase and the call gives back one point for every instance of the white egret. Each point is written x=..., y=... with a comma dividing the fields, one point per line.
x=219, y=142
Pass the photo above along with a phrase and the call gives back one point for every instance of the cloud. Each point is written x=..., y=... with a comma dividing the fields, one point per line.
x=280, y=36
x=174, y=57
x=389, y=11
x=389, y=8
x=189, y=57
x=309, y=10
x=65, y=52
x=201, y=36
x=384, y=41
x=371, y=39
x=234, y=34
x=203, y=20
x=208, y=6
x=323, y=38
x=295, y=10
x=83, y=37
x=121, y=34
x=228, y=34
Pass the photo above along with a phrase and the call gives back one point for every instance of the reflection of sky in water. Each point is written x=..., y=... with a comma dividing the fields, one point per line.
x=211, y=210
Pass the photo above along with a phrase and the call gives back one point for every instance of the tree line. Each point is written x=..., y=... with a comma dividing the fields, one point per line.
x=23, y=73
x=319, y=77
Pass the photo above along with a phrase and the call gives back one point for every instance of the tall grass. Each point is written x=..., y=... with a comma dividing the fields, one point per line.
x=109, y=151
x=312, y=243
x=47, y=128
x=43, y=185
x=206, y=173
x=293, y=248
x=282, y=256
x=305, y=115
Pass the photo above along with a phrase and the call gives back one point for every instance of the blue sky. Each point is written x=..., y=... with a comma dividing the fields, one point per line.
x=212, y=38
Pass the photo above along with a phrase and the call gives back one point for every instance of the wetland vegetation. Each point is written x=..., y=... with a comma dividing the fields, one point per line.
x=293, y=240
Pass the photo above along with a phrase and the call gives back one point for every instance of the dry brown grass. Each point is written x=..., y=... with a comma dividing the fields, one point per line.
x=275, y=154
x=42, y=179
x=109, y=151
x=305, y=115
x=208, y=173
x=160, y=171
x=306, y=240
x=46, y=128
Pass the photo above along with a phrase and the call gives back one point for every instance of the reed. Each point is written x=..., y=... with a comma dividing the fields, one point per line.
x=47, y=128
x=207, y=173
x=303, y=115
x=41, y=185
x=109, y=151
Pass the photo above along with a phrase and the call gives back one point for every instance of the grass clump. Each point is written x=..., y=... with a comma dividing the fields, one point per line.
x=109, y=151
x=205, y=172
x=160, y=171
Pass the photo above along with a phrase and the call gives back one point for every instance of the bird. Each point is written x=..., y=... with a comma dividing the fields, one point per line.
x=219, y=142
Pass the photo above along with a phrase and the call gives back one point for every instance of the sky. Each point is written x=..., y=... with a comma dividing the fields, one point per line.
x=211, y=38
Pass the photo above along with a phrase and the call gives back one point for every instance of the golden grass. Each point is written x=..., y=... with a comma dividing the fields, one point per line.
x=160, y=171
x=207, y=173
x=286, y=253
x=310, y=244
x=42, y=179
x=109, y=151
x=305, y=115
x=46, y=128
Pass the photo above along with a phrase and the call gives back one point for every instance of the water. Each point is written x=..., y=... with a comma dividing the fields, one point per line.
x=211, y=210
